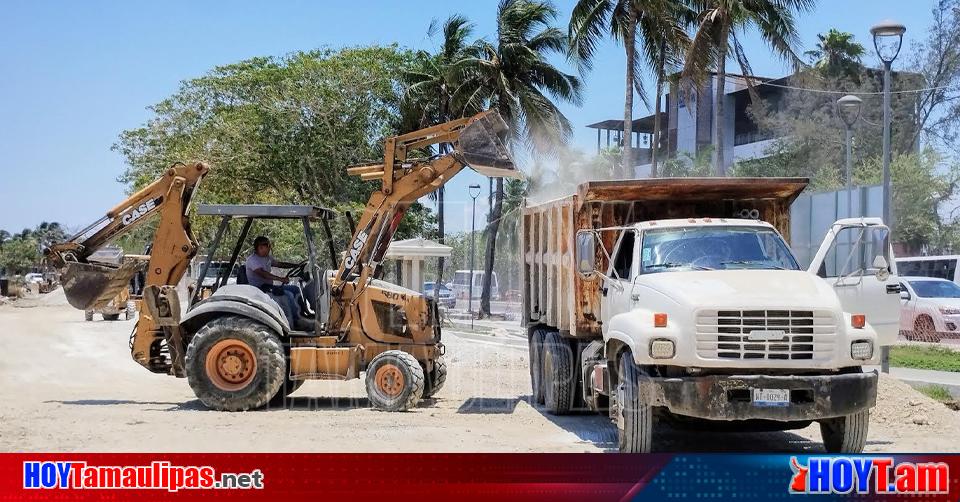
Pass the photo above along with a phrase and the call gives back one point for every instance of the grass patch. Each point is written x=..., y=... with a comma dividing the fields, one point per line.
x=936, y=392
x=925, y=358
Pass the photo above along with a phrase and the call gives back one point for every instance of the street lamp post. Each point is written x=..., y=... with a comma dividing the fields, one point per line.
x=887, y=40
x=848, y=107
x=474, y=193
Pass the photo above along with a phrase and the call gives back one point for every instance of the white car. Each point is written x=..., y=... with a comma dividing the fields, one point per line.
x=930, y=308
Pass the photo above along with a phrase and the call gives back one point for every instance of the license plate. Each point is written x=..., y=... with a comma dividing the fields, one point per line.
x=771, y=397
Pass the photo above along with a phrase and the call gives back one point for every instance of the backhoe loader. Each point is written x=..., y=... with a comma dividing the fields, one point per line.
x=237, y=348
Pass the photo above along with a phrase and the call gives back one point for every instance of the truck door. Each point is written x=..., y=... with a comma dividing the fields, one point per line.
x=856, y=258
x=618, y=286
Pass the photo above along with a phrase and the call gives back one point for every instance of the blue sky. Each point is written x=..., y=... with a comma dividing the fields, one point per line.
x=73, y=75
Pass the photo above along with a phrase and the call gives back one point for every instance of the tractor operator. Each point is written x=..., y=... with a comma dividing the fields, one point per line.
x=259, y=265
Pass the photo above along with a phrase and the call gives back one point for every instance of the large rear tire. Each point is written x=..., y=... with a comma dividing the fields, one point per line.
x=235, y=364
x=845, y=434
x=435, y=379
x=394, y=381
x=536, y=365
x=634, y=416
x=558, y=375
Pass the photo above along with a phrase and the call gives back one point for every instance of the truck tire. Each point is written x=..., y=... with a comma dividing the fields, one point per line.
x=558, y=376
x=88, y=315
x=130, y=311
x=435, y=379
x=394, y=381
x=235, y=364
x=536, y=366
x=634, y=416
x=111, y=317
x=845, y=434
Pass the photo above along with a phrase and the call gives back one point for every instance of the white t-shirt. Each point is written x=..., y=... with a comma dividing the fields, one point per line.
x=256, y=262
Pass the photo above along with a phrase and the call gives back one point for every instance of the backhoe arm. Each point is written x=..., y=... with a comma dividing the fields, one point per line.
x=91, y=285
x=476, y=142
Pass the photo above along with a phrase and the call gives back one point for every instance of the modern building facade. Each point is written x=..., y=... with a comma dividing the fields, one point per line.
x=687, y=123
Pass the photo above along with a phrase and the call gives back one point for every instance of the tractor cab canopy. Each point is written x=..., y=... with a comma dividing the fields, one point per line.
x=245, y=214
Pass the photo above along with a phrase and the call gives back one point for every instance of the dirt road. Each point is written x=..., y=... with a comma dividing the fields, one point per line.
x=71, y=385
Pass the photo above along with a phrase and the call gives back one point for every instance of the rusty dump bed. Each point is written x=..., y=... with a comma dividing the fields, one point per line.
x=555, y=295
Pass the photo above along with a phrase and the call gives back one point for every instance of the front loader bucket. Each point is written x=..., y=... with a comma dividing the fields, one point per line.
x=481, y=146
x=93, y=285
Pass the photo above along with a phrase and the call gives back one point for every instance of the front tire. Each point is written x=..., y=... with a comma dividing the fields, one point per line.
x=235, y=364
x=394, y=381
x=925, y=330
x=845, y=434
x=634, y=416
x=88, y=315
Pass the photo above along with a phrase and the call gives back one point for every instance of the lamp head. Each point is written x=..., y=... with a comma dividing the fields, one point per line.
x=887, y=39
x=474, y=191
x=848, y=108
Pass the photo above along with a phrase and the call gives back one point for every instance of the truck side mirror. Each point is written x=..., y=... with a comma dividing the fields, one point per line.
x=586, y=253
x=905, y=295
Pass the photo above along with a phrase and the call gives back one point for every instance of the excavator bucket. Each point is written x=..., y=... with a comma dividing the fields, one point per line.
x=481, y=146
x=93, y=285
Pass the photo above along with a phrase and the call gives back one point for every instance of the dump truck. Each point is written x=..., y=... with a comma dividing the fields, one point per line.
x=233, y=343
x=679, y=300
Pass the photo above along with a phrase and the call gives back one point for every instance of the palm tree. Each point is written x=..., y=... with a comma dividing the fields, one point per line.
x=836, y=51
x=514, y=76
x=656, y=26
x=435, y=89
x=719, y=26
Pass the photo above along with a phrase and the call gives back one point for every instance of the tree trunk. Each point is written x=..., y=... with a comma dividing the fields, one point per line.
x=655, y=144
x=718, y=108
x=629, y=44
x=493, y=226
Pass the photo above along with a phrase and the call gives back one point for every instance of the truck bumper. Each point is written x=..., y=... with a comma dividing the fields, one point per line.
x=729, y=397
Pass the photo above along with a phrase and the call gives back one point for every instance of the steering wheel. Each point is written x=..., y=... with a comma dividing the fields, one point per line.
x=297, y=271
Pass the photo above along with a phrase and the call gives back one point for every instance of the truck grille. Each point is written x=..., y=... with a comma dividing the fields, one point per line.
x=765, y=334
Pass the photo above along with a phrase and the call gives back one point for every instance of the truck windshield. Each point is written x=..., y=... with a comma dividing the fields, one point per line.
x=714, y=248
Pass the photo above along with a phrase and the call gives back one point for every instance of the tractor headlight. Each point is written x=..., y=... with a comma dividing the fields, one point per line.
x=662, y=349
x=862, y=350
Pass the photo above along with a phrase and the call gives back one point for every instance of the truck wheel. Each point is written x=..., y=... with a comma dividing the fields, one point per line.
x=394, y=381
x=634, y=417
x=435, y=379
x=845, y=434
x=925, y=330
x=536, y=366
x=111, y=317
x=88, y=315
x=235, y=364
x=130, y=311
x=557, y=381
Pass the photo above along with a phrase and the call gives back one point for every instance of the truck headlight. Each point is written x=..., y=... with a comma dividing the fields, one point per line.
x=662, y=349
x=949, y=310
x=861, y=350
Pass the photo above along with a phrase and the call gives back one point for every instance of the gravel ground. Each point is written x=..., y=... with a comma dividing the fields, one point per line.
x=71, y=385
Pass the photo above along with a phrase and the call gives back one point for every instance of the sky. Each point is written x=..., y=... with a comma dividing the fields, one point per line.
x=74, y=75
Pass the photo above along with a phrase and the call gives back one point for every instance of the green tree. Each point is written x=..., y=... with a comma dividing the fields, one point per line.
x=4, y=237
x=277, y=129
x=438, y=91
x=837, y=53
x=514, y=75
x=721, y=23
x=652, y=32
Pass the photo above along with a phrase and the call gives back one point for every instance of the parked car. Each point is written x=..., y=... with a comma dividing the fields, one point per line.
x=33, y=278
x=447, y=298
x=930, y=308
x=944, y=267
x=461, y=284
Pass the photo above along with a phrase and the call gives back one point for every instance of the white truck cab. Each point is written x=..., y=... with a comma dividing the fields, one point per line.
x=711, y=319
